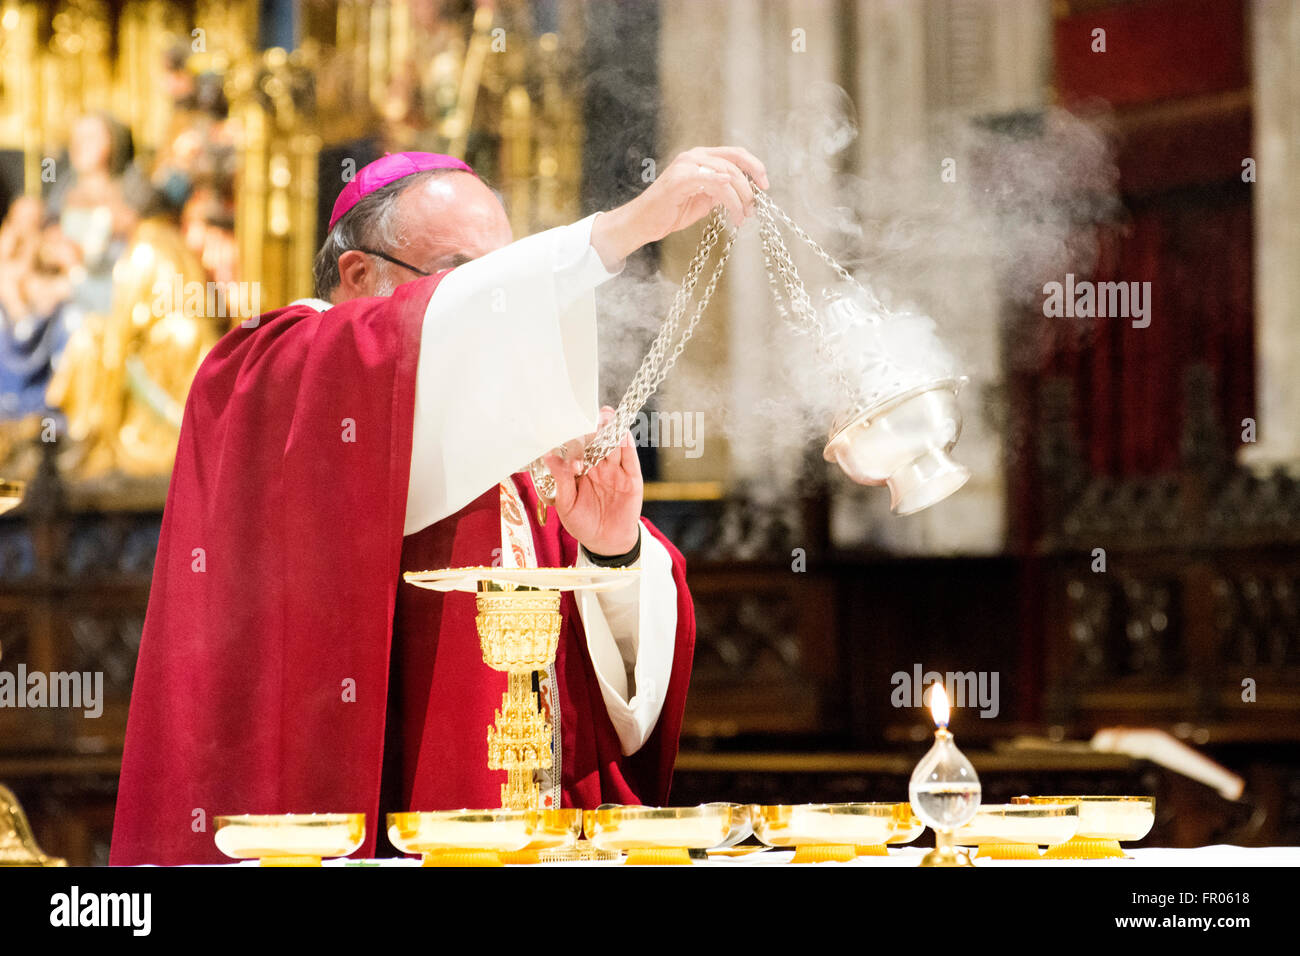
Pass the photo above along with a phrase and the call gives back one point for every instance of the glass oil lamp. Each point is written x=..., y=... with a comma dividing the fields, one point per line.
x=944, y=789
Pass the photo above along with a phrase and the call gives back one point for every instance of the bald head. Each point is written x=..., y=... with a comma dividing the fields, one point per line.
x=431, y=221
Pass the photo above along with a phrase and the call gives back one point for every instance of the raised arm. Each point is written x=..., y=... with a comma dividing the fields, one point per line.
x=508, y=364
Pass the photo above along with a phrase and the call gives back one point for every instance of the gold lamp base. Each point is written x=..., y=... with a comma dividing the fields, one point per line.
x=945, y=853
x=948, y=856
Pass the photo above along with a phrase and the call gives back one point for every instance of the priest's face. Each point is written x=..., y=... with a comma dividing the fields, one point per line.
x=441, y=222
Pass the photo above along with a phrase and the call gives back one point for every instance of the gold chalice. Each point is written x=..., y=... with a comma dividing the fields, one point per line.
x=290, y=839
x=518, y=624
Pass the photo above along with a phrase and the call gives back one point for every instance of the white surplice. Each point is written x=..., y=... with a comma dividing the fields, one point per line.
x=508, y=370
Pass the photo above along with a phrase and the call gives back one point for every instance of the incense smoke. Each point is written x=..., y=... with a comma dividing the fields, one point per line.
x=968, y=221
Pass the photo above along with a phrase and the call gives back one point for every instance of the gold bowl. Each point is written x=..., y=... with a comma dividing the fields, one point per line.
x=1124, y=819
x=669, y=828
x=1040, y=824
x=838, y=824
x=497, y=831
x=1104, y=823
x=303, y=838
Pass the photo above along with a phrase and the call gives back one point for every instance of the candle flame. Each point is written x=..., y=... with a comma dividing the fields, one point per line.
x=939, y=705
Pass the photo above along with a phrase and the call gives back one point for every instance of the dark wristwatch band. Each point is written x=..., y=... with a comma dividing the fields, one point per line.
x=617, y=560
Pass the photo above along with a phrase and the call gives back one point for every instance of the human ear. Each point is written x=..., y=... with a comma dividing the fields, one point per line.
x=356, y=275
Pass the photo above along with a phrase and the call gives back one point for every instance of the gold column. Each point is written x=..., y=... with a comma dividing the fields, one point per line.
x=457, y=126
x=517, y=159
x=21, y=126
x=146, y=29
x=275, y=221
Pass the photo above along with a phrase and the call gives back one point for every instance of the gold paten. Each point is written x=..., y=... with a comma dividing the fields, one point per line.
x=469, y=579
x=1104, y=822
x=17, y=842
x=290, y=839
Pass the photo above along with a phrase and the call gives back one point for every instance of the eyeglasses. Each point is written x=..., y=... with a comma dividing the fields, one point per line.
x=395, y=261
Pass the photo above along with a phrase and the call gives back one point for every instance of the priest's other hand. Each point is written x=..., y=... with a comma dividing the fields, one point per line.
x=602, y=508
x=681, y=195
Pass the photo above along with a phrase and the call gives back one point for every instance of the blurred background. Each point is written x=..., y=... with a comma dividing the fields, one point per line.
x=1125, y=552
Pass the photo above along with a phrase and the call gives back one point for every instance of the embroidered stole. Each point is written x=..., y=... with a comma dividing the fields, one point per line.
x=518, y=551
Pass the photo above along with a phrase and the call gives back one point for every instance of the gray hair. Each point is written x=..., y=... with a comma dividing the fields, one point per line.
x=372, y=222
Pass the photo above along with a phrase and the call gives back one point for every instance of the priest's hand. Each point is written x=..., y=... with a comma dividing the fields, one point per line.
x=681, y=195
x=602, y=508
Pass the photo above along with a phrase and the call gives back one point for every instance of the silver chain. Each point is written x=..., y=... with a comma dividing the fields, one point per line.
x=781, y=271
x=785, y=283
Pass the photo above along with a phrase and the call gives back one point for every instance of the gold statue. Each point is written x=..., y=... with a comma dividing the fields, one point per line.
x=123, y=377
x=17, y=843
